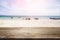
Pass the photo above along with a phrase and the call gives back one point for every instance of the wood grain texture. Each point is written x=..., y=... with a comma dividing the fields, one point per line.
x=30, y=32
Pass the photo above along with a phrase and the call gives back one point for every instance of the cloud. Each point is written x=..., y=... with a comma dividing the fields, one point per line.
x=30, y=7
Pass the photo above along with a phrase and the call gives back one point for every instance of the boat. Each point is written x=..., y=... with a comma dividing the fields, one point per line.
x=55, y=18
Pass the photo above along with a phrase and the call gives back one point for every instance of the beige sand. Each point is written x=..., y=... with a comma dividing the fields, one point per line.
x=30, y=23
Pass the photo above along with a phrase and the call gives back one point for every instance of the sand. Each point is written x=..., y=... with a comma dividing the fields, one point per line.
x=30, y=23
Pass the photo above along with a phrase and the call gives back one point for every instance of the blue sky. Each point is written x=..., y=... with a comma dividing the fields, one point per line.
x=30, y=7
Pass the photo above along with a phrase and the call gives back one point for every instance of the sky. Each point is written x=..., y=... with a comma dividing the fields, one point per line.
x=30, y=7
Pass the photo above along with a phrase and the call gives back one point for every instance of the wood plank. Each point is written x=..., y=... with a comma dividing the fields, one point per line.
x=28, y=32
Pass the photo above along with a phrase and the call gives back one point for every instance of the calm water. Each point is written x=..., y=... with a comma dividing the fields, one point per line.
x=21, y=17
x=9, y=17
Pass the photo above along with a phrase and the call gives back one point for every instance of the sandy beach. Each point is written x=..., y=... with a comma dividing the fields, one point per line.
x=30, y=23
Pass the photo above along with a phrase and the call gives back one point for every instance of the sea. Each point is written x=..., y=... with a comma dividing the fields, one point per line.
x=7, y=17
